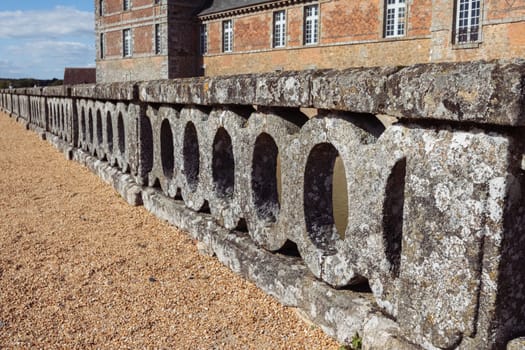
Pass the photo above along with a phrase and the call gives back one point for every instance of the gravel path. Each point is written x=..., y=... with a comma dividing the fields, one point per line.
x=79, y=268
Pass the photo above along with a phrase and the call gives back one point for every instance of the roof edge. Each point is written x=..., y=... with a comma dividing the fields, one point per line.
x=209, y=14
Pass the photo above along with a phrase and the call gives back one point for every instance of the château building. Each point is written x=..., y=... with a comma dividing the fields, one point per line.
x=161, y=39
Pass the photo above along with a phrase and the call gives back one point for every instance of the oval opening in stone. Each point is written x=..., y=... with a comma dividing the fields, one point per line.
x=146, y=153
x=191, y=156
x=340, y=197
x=82, y=126
x=49, y=119
x=59, y=119
x=90, y=127
x=279, y=180
x=53, y=116
x=166, y=148
x=393, y=216
x=99, y=128
x=318, y=199
x=109, y=132
x=265, y=179
x=63, y=119
x=223, y=164
x=121, y=134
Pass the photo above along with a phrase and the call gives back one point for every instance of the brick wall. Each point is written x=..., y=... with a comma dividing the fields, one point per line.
x=132, y=69
x=346, y=21
x=352, y=34
x=183, y=39
x=506, y=10
x=113, y=43
x=143, y=39
x=141, y=19
x=502, y=33
x=178, y=40
x=368, y=54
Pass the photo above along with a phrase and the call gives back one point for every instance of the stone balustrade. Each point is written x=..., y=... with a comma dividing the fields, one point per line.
x=436, y=214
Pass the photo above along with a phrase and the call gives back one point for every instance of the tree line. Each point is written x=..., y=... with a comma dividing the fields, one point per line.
x=27, y=82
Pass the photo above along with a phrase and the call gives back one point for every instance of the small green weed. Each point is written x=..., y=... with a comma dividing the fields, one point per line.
x=355, y=344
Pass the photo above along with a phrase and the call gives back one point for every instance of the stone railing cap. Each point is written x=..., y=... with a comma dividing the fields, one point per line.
x=484, y=92
x=110, y=91
x=58, y=91
x=35, y=91
x=481, y=92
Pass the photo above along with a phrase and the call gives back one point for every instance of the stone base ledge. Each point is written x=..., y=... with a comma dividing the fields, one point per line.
x=122, y=183
x=38, y=130
x=22, y=121
x=342, y=314
x=517, y=344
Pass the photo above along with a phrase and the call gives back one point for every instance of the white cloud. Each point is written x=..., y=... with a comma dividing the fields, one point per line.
x=40, y=44
x=10, y=69
x=50, y=49
x=45, y=58
x=60, y=21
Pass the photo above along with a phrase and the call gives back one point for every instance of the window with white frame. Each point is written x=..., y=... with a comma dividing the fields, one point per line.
x=395, y=18
x=101, y=8
x=204, y=39
x=279, y=29
x=311, y=24
x=126, y=43
x=126, y=5
x=102, y=48
x=468, y=13
x=227, y=36
x=158, y=47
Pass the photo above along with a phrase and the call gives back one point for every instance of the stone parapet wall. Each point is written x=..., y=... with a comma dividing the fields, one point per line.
x=433, y=254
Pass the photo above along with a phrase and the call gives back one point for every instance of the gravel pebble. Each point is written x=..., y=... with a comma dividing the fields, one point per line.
x=79, y=268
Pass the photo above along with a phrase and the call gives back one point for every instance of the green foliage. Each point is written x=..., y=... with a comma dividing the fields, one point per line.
x=355, y=344
x=56, y=82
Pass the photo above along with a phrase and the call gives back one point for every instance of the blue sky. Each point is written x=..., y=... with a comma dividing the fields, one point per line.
x=38, y=38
